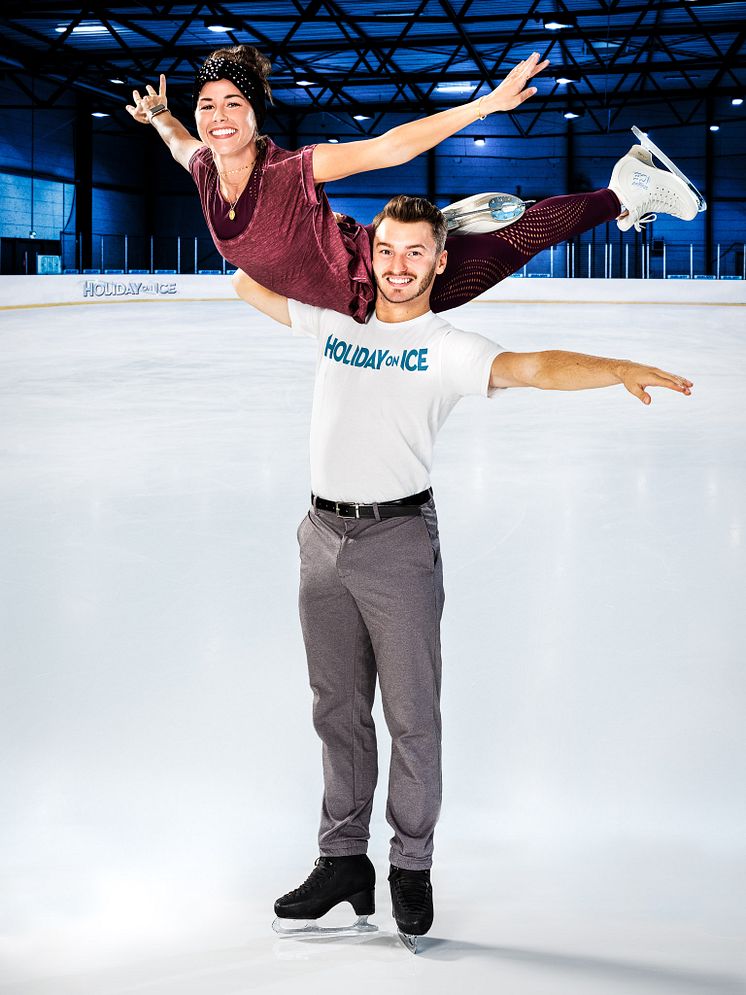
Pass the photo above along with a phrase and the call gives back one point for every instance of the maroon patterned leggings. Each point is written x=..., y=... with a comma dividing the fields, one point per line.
x=478, y=262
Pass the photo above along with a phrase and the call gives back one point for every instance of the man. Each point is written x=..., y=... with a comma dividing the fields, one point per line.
x=371, y=593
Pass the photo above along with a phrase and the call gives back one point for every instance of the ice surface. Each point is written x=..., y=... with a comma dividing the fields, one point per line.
x=160, y=775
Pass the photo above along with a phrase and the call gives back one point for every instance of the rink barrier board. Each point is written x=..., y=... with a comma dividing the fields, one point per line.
x=18, y=292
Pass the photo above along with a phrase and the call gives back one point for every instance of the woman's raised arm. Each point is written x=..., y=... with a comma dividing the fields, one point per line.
x=153, y=109
x=333, y=162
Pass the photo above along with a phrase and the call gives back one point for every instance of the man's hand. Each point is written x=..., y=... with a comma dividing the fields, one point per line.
x=143, y=105
x=513, y=90
x=637, y=377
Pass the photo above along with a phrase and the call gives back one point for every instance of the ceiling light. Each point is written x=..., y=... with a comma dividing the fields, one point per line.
x=99, y=114
x=117, y=81
x=555, y=25
x=361, y=117
x=564, y=80
x=223, y=24
x=89, y=28
x=714, y=127
x=480, y=142
x=304, y=82
x=737, y=101
x=456, y=87
x=570, y=115
x=333, y=141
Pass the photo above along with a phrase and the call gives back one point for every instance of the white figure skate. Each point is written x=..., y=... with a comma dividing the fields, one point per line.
x=484, y=212
x=645, y=190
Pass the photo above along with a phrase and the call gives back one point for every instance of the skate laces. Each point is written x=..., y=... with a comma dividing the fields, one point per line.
x=321, y=872
x=646, y=220
x=662, y=199
x=412, y=892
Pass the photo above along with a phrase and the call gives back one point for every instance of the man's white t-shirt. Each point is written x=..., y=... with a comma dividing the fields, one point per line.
x=382, y=392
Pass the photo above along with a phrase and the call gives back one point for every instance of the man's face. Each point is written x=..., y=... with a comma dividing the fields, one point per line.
x=405, y=260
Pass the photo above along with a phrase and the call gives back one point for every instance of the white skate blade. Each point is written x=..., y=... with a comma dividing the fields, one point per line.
x=409, y=941
x=650, y=145
x=484, y=212
x=311, y=928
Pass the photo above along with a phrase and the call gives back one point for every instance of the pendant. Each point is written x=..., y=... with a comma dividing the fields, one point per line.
x=232, y=214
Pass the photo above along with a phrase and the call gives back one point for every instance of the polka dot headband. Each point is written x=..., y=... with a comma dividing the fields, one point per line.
x=247, y=82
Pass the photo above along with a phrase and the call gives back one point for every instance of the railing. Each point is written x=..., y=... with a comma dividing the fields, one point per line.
x=141, y=254
x=583, y=257
x=638, y=260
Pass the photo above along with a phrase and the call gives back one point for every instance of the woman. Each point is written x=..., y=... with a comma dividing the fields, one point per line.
x=268, y=215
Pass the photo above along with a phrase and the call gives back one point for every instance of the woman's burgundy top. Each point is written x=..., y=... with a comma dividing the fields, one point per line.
x=288, y=238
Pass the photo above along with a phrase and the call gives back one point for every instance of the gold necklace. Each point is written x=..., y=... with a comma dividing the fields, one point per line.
x=232, y=211
x=232, y=207
x=240, y=169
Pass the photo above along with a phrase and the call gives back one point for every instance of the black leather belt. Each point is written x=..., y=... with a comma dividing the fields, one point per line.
x=386, y=509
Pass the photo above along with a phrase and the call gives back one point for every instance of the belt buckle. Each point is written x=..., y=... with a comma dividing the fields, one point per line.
x=350, y=504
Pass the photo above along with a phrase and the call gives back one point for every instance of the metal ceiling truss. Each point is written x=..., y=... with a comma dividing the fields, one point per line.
x=620, y=54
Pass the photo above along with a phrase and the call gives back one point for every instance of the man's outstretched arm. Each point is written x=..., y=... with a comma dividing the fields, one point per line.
x=559, y=370
x=272, y=304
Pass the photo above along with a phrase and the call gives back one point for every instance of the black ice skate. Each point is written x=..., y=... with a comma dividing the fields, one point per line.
x=332, y=881
x=412, y=904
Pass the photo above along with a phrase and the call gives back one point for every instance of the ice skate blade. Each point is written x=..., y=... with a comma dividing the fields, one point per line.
x=483, y=213
x=650, y=145
x=310, y=928
x=409, y=941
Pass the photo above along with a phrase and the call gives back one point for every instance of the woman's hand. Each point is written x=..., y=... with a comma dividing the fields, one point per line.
x=513, y=90
x=143, y=105
x=180, y=143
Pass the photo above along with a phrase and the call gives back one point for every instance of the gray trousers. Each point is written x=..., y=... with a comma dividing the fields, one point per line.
x=371, y=600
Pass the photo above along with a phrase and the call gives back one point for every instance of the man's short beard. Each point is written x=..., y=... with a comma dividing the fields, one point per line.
x=426, y=281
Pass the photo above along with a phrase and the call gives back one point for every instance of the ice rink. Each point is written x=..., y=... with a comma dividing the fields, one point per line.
x=161, y=778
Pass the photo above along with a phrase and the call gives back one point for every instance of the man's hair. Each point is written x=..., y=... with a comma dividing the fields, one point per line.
x=412, y=209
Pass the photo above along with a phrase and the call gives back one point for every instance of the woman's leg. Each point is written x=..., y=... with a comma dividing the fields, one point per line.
x=478, y=262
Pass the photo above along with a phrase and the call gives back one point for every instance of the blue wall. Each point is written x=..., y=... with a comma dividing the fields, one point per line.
x=53, y=206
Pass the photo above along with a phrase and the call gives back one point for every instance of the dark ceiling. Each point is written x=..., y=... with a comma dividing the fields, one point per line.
x=356, y=58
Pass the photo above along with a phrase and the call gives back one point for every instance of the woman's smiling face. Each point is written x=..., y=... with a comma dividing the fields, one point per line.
x=225, y=119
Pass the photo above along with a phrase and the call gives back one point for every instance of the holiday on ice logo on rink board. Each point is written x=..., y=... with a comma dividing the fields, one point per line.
x=132, y=288
x=412, y=360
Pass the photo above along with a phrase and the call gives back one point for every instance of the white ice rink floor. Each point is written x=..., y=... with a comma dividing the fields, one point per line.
x=160, y=776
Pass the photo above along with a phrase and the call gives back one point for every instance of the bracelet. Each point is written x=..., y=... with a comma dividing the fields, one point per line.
x=154, y=111
x=480, y=116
